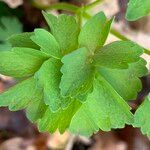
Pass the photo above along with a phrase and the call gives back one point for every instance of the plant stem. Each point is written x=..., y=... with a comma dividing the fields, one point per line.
x=118, y=35
x=57, y=6
x=79, y=18
x=146, y=51
x=86, y=15
x=91, y=5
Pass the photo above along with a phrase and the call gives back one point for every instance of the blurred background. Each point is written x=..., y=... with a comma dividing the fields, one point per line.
x=16, y=132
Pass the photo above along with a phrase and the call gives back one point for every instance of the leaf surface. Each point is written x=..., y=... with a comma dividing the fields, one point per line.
x=137, y=9
x=104, y=109
x=65, y=29
x=95, y=31
x=7, y=30
x=77, y=72
x=47, y=42
x=126, y=82
x=118, y=54
x=142, y=117
x=60, y=120
x=8, y=27
x=19, y=96
x=21, y=62
x=36, y=109
x=23, y=40
x=5, y=46
x=48, y=77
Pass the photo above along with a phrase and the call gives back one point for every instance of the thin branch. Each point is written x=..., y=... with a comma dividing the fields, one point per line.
x=92, y=5
x=146, y=51
x=118, y=35
x=57, y=6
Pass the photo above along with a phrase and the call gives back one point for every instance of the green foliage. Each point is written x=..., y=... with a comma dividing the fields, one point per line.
x=118, y=54
x=126, y=82
x=19, y=96
x=77, y=72
x=142, y=116
x=48, y=77
x=47, y=43
x=23, y=40
x=73, y=81
x=8, y=27
x=102, y=109
x=96, y=24
x=60, y=120
x=137, y=9
x=65, y=29
x=21, y=62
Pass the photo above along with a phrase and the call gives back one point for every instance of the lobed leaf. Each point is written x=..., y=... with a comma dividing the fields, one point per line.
x=86, y=89
x=47, y=43
x=36, y=108
x=6, y=30
x=23, y=40
x=103, y=109
x=105, y=31
x=50, y=19
x=19, y=96
x=21, y=62
x=60, y=120
x=48, y=77
x=126, y=82
x=118, y=54
x=142, y=116
x=65, y=30
x=137, y=9
x=94, y=33
x=8, y=27
x=77, y=72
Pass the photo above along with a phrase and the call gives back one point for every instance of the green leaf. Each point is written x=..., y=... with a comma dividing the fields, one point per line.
x=105, y=31
x=36, y=109
x=95, y=31
x=8, y=27
x=19, y=96
x=104, y=109
x=25, y=95
x=142, y=116
x=65, y=30
x=77, y=72
x=137, y=9
x=21, y=62
x=6, y=30
x=50, y=19
x=84, y=91
x=48, y=77
x=60, y=120
x=118, y=54
x=23, y=40
x=126, y=82
x=47, y=43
